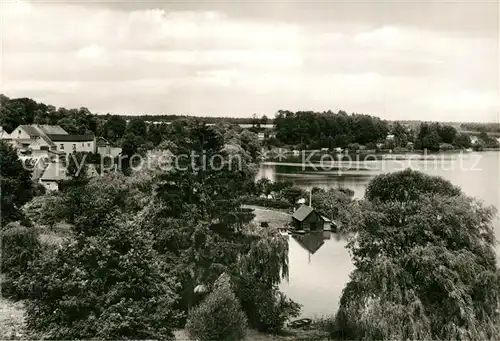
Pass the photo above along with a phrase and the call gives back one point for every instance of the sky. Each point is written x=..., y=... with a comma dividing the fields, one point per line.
x=397, y=60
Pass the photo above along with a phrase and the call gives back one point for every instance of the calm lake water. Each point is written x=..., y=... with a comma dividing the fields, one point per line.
x=319, y=263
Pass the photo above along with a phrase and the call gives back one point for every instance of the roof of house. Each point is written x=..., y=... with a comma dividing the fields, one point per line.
x=31, y=129
x=102, y=142
x=55, y=171
x=71, y=138
x=302, y=213
x=47, y=140
x=325, y=219
x=55, y=130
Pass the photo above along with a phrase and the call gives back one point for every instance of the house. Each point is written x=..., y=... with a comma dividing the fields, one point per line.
x=307, y=219
x=40, y=137
x=54, y=172
x=105, y=148
x=390, y=137
x=74, y=143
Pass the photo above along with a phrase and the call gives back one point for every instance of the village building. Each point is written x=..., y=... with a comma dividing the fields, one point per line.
x=37, y=140
x=306, y=218
x=105, y=148
x=74, y=143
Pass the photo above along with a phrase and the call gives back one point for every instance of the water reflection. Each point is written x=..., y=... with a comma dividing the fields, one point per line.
x=320, y=264
x=311, y=242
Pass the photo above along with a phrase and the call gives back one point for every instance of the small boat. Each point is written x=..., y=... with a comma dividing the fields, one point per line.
x=299, y=231
x=301, y=323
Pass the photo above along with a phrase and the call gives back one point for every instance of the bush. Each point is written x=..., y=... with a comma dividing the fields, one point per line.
x=264, y=202
x=219, y=316
x=107, y=286
x=20, y=246
x=267, y=308
x=446, y=147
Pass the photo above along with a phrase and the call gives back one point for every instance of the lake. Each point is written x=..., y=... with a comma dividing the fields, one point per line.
x=319, y=263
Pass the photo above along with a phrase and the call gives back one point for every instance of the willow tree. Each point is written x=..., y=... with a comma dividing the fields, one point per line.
x=199, y=225
x=425, y=264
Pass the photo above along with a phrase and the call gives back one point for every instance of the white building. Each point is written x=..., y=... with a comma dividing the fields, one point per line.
x=105, y=148
x=74, y=143
x=38, y=140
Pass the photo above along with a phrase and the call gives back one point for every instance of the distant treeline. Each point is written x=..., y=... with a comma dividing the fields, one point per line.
x=480, y=127
x=311, y=130
x=207, y=119
x=300, y=130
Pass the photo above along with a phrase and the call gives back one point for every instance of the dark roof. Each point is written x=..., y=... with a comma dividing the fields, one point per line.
x=71, y=138
x=302, y=213
x=47, y=140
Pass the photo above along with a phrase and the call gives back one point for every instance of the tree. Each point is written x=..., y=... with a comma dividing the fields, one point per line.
x=16, y=184
x=108, y=286
x=115, y=127
x=335, y=204
x=292, y=194
x=130, y=147
x=219, y=316
x=263, y=120
x=77, y=166
x=447, y=134
x=431, y=141
x=462, y=141
x=255, y=121
x=407, y=185
x=20, y=247
x=137, y=127
x=425, y=265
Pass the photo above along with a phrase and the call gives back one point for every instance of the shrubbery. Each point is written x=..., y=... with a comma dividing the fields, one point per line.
x=267, y=309
x=107, y=286
x=20, y=247
x=219, y=316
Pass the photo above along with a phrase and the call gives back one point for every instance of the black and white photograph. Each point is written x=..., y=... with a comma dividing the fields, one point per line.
x=250, y=170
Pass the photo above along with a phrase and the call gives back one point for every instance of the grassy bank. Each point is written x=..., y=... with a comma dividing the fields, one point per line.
x=277, y=218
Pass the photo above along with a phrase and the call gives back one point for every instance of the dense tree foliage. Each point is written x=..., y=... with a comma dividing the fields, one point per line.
x=425, y=264
x=16, y=185
x=328, y=129
x=108, y=286
x=407, y=185
x=486, y=127
x=219, y=316
x=20, y=247
x=335, y=204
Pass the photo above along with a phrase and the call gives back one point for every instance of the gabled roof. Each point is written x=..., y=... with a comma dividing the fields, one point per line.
x=326, y=219
x=31, y=130
x=71, y=138
x=56, y=130
x=55, y=171
x=102, y=142
x=302, y=213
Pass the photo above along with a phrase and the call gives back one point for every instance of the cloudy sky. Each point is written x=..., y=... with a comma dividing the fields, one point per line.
x=397, y=60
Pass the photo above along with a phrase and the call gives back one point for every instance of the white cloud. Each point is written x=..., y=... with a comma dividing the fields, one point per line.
x=167, y=56
x=91, y=51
